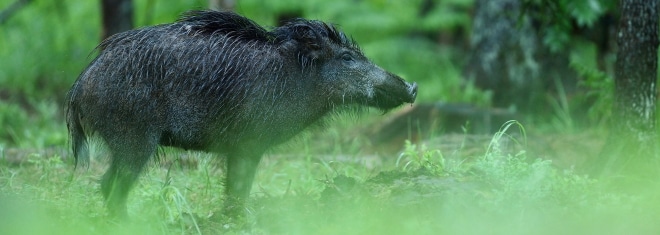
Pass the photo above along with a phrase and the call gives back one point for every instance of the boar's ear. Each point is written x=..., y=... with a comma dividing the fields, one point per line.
x=309, y=41
x=307, y=36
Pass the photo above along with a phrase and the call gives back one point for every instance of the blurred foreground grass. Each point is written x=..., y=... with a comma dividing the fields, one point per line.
x=500, y=190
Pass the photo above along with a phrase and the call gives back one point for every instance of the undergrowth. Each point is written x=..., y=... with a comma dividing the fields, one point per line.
x=423, y=185
x=505, y=190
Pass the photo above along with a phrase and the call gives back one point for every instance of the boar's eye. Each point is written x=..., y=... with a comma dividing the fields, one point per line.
x=347, y=57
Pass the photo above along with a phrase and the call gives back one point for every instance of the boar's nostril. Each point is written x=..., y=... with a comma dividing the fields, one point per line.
x=412, y=90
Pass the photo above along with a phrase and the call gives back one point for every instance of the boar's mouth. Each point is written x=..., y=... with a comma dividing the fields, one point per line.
x=386, y=98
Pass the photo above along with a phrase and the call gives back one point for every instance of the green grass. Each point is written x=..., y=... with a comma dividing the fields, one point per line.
x=503, y=190
x=39, y=127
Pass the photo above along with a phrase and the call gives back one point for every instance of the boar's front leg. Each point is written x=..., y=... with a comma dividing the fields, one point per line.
x=241, y=168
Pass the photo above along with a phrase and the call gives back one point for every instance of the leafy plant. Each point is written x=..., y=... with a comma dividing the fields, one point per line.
x=37, y=130
x=421, y=157
x=556, y=17
x=599, y=85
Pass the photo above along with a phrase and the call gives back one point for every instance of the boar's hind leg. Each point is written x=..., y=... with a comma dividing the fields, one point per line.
x=241, y=169
x=129, y=156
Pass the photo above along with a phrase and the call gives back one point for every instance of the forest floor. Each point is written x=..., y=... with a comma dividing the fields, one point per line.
x=452, y=184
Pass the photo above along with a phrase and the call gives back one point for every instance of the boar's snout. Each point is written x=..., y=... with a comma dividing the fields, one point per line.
x=412, y=92
x=392, y=92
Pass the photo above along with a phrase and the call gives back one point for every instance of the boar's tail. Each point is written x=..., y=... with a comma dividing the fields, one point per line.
x=76, y=131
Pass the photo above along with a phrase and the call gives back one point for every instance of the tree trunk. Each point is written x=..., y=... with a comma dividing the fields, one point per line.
x=636, y=68
x=632, y=142
x=117, y=16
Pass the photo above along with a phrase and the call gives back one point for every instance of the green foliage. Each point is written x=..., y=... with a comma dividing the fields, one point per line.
x=599, y=85
x=34, y=129
x=565, y=26
x=421, y=157
x=445, y=16
x=585, y=12
x=39, y=44
x=520, y=178
x=513, y=179
x=152, y=12
x=556, y=17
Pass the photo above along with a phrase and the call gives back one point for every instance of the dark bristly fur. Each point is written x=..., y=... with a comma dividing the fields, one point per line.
x=217, y=82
